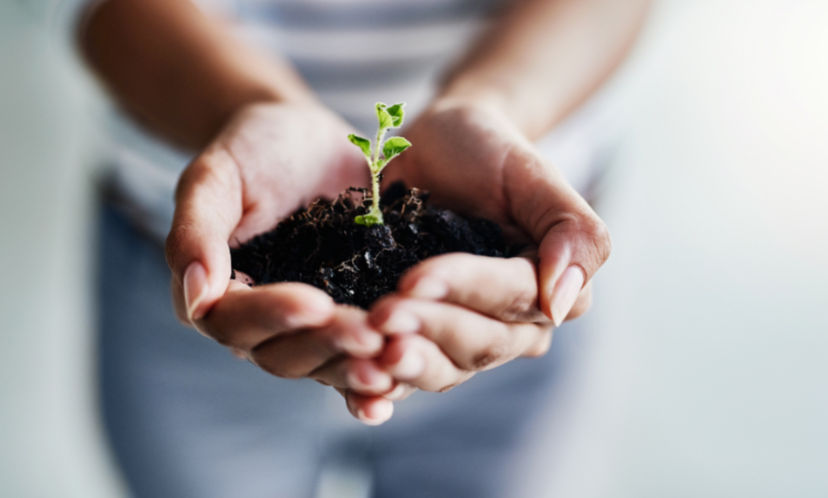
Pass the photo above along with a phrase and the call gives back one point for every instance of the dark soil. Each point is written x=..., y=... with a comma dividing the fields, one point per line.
x=322, y=246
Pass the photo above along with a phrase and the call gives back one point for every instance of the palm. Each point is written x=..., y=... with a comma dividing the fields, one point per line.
x=286, y=157
x=461, y=157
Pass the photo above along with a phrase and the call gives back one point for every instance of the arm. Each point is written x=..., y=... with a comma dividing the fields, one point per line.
x=179, y=71
x=545, y=57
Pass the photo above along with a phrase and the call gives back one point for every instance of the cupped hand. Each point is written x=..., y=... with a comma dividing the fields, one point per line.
x=269, y=160
x=458, y=314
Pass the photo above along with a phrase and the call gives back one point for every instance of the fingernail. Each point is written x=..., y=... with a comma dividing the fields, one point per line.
x=365, y=381
x=368, y=341
x=381, y=411
x=429, y=288
x=355, y=382
x=566, y=293
x=362, y=343
x=396, y=393
x=410, y=365
x=401, y=322
x=313, y=311
x=195, y=288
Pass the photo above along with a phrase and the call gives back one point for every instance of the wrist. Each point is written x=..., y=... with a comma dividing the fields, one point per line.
x=479, y=108
x=529, y=107
x=494, y=99
x=244, y=96
x=471, y=97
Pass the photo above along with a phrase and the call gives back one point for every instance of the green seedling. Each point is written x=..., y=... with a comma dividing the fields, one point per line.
x=384, y=151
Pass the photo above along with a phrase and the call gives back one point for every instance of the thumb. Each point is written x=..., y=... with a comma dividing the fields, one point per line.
x=573, y=242
x=569, y=256
x=208, y=207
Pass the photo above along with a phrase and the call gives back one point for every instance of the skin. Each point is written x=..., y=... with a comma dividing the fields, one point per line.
x=258, y=128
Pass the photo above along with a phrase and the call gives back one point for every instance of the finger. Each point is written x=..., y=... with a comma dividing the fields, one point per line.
x=360, y=375
x=472, y=341
x=245, y=317
x=179, y=306
x=300, y=353
x=506, y=289
x=370, y=410
x=402, y=391
x=572, y=240
x=417, y=361
x=208, y=208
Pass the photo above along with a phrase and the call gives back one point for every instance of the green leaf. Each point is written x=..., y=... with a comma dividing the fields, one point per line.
x=368, y=220
x=396, y=111
x=363, y=143
x=393, y=147
x=385, y=119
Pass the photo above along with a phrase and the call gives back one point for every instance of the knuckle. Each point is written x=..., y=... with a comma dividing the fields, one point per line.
x=483, y=359
x=187, y=177
x=278, y=368
x=445, y=262
x=489, y=355
x=385, y=304
x=173, y=243
x=599, y=235
x=200, y=171
x=176, y=245
x=281, y=306
x=459, y=379
x=383, y=309
x=265, y=358
x=434, y=267
x=519, y=306
x=222, y=339
x=221, y=336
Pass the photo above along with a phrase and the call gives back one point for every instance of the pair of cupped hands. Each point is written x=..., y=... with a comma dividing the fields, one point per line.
x=452, y=315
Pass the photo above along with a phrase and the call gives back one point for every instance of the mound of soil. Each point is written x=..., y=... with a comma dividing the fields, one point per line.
x=322, y=246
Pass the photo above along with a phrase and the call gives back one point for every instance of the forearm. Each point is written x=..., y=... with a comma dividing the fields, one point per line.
x=543, y=58
x=178, y=71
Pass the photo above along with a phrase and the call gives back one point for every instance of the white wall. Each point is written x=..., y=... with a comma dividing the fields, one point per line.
x=708, y=373
x=49, y=440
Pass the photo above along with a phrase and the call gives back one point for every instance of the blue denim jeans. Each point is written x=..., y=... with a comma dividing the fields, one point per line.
x=187, y=419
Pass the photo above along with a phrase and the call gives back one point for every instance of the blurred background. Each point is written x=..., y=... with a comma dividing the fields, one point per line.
x=705, y=374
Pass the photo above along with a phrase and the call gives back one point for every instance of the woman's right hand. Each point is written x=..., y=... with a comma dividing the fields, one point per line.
x=269, y=160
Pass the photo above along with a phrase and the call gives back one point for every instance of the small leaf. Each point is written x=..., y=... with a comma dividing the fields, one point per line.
x=363, y=143
x=368, y=220
x=385, y=119
x=393, y=147
x=396, y=111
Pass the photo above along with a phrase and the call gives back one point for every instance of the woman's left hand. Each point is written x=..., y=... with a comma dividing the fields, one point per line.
x=457, y=314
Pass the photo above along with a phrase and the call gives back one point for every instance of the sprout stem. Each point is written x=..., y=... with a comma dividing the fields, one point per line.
x=389, y=117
